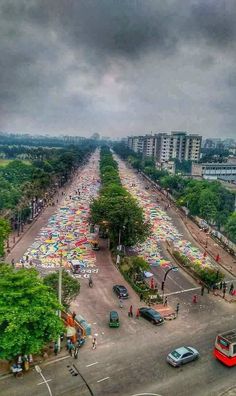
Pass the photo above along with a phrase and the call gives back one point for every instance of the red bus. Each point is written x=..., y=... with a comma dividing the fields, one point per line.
x=225, y=348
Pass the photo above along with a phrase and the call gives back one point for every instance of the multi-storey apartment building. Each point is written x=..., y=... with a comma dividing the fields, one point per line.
x=164, y=147
x=150, y=146
x=136, y=143
x=178, y=145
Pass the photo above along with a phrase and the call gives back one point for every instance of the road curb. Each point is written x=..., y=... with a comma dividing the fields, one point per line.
x=42, y=362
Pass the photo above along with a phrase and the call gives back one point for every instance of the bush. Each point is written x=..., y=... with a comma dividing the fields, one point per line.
x=207, y=275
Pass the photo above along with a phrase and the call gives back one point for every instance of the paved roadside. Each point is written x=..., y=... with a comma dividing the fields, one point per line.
x=201, y=239
x=25, y=239
x=96, y=303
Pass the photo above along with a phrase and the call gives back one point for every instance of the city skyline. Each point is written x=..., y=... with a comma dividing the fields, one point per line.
x=117, y=68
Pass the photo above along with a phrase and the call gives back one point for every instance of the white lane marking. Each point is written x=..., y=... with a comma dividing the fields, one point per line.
x=92, y=364
x=57, y=360
x=147, y=394
x=40, y=383
x=183, y=291
x=103, y=379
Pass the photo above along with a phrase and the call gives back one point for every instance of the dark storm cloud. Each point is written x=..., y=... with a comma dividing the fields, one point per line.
x=110, y=64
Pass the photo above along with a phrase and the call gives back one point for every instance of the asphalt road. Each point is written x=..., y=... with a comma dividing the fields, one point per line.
x=136, y=364
x=132, y=359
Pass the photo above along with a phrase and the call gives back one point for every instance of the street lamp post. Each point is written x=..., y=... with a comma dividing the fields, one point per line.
x=59, y=296
x=119, y=239
x=163, y=282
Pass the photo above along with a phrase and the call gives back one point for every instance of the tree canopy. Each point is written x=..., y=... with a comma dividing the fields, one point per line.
x=28, y=318
x=207, y=199
x=5, y=230
x=115, y=209
x=70, y=286
x=231, y=227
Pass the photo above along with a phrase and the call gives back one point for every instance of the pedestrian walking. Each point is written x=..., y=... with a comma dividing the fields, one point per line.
x=79, y=333
x=137, y=314
x=166, y=302
x=55, y=348
x=71, y=348
x=73, y=315
x=202, y=290
x=152, y=283
x=76, y=350
x=224, y=291
x=13, y=262
x=194, y=299
x=120, y=303
x=231, y=289
x=177, y=308
x=67, y=343
x=217, y=259
x=130, y=313
x=94, y=343
x=141, y=296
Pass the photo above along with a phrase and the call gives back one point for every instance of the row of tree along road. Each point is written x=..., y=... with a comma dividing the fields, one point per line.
x=207, y=199
x=118, y=213
x=28, y=185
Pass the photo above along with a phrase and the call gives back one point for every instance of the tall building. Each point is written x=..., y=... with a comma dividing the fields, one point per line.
x=150, y=146
x=164, y=147
x=136, y=143
x=178, y=145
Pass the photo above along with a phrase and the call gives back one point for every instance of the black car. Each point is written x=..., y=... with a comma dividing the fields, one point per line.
x=151, y=315
x=121, y=291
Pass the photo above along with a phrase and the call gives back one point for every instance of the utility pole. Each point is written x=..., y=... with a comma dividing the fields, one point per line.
x=119, y=237
x=59, y=296
x=163, y=282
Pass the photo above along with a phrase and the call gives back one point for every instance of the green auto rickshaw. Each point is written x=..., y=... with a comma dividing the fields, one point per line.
x=114, y=320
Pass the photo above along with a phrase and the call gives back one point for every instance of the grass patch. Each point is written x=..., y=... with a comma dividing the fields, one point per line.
x=5, y=162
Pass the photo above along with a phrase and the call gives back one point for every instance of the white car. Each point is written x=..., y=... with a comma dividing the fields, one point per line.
x=182, y=355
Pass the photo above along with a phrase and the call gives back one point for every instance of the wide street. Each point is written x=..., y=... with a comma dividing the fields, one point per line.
x=131, y=360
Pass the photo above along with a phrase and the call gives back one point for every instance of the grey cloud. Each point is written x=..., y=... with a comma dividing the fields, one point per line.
x=115, y=64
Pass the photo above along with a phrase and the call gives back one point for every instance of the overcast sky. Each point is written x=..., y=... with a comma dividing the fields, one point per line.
x=118, y=67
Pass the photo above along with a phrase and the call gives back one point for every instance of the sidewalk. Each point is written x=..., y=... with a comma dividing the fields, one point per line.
x=42, y=360
x=14, y=238
x=203, y=240
x=19, y=244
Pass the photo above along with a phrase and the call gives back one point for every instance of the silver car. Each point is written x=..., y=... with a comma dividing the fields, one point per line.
x=182, y=355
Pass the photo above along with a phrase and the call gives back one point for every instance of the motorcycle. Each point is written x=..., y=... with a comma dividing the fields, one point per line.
x=90, y=282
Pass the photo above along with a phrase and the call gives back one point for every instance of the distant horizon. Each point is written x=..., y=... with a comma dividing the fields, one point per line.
x=110, y=137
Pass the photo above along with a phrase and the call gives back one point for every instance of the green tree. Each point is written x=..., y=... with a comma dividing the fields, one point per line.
x=230, y=227
x=138, y=264
x=70, y=286
x=208, y=205
x=28, y=318
x=122, y=215
x=5, y=230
